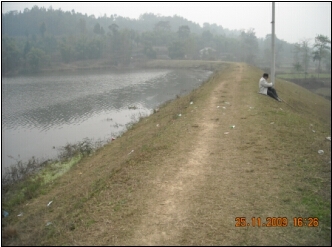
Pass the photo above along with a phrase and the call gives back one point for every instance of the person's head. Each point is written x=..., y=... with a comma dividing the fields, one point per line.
x=266, y=75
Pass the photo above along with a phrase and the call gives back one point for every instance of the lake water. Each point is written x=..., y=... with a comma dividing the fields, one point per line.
x=42, y=113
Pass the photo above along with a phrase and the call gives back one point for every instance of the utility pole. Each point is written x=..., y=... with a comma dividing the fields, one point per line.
x=273, y=46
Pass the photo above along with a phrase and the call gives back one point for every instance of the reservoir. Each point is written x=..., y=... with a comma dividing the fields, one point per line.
x=42, y=113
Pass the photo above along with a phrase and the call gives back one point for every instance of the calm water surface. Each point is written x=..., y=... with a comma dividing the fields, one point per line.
x=42, y=113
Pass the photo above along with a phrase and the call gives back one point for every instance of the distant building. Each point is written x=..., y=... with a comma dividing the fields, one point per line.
x=208, y=53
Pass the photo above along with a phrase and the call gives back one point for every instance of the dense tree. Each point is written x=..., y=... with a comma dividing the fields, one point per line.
x=184, y=32
x=176, y=50
x=67, y=36
x=126, y=47
x=162, y=26
x=42, y=29
x=10, y=55
x=249, y=45
x=27, y=48
x=114, y=28
x=207, y=39
x=82, y=26
x=96, y=29
x=36, y=58
x=149, y=52
x=66, y=52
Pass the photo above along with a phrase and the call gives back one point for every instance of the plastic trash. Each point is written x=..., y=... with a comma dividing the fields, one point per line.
x=321, y=151
x=328, y=138
x=180, y=115
x=131, y=151
x=19, y=215
x=157, y=125
x=223, y=107
x=48, y=204
x=232, y=126
x=5, y=213
x=218, y=106
x=48, y=223
x=191, y=102
x=314, y=131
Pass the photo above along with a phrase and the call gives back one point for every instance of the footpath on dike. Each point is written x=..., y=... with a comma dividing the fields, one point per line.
x=205, y=169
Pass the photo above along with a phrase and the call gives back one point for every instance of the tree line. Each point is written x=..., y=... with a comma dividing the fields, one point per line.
x=39, y=37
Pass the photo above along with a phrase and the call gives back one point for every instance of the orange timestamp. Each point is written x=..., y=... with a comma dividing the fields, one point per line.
x=276, y=222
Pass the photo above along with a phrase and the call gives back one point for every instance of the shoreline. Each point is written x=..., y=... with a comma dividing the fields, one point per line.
x=95, y=65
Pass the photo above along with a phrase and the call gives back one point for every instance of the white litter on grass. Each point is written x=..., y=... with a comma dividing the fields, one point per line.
x=224, y=107
x=191, y=102
x=232, y=126
x=19, y=215
x=226, y=133
x=328, y=138
x=48, y=204
x=131, y=151
x=180, y=115
x=314, y=131
x=157, y=125
x=218, y=106
x=48, y=223
x=320, y=151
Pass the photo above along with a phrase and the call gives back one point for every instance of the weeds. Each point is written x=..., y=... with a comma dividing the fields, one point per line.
x=86, y=147
x=21, y=170
x=21, y=181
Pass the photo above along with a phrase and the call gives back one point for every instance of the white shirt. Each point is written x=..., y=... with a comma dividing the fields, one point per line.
x=263, y=85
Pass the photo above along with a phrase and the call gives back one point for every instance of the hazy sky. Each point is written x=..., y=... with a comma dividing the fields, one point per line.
x=294, y=21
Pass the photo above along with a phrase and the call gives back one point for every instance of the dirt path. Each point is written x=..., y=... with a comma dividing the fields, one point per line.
x=168, y=212
x=204, y=183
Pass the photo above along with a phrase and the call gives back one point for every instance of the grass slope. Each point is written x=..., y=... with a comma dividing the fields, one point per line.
x=267, y=165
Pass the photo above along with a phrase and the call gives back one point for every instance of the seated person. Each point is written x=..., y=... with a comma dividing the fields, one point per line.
x=267, y=88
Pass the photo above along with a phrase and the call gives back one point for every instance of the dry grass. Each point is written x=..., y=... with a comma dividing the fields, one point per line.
x=186, y=181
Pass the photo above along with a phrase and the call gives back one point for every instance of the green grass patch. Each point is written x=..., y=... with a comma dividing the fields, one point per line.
x=55, y=170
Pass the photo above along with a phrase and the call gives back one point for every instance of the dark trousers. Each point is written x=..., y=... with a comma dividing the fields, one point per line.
x=272, y=93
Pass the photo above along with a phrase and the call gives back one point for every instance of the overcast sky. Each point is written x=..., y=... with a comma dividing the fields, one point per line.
x=294, y=21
